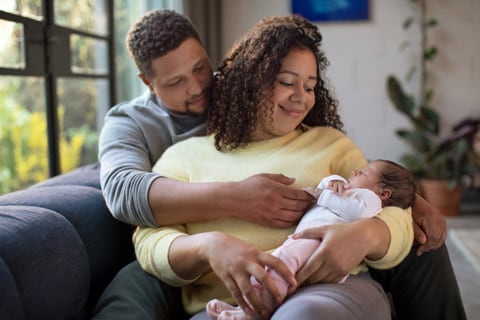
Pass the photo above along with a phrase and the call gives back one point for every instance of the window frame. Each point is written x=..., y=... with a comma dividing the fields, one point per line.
x=46, y=45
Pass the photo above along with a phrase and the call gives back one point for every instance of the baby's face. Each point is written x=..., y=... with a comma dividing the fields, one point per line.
x=368, y=177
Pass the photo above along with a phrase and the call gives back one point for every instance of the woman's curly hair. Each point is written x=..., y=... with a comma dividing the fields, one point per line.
x=246, y=77
x=155, y=34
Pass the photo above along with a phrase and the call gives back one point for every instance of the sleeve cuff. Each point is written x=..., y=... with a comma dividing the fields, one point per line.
x=162, y=266
x=399, y=223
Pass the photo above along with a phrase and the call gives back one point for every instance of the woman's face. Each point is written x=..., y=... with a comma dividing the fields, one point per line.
x=293, y=95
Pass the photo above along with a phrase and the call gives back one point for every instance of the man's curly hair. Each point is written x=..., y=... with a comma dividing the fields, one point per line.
x=246, y=77
x=155, y=34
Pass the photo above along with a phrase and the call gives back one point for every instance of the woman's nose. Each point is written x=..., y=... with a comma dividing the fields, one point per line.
x=299, y=94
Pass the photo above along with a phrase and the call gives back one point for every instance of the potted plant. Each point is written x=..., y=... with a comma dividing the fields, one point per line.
x=445, y=164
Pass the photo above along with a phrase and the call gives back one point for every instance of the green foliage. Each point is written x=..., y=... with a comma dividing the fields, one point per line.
x=24, y=152
x=451, y=158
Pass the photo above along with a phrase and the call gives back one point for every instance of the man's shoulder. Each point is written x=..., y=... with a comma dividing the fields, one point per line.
x=144, y=104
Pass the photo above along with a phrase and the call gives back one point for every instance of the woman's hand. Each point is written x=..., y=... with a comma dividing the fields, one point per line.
x=343, y=246
x=429, y=226
x=235, y=261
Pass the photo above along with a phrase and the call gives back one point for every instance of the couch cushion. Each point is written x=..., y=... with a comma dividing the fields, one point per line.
x=11, y=304
x=107, y=241
x=47, y=261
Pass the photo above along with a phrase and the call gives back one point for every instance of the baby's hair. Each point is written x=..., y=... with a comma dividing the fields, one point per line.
x=400, y=181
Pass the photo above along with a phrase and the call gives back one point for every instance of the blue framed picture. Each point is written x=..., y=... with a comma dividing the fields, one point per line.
x=332, y=10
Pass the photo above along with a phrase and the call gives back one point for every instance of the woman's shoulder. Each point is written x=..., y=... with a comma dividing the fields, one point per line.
x=324, y=133
x=191, y=144
x=324, y=130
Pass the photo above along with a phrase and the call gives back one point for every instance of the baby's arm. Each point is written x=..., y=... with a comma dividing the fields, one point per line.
x=333, y=182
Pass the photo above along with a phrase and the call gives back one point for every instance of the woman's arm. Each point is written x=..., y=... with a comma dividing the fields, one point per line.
x=179, y=259
x=382, y=241
x=343, y=247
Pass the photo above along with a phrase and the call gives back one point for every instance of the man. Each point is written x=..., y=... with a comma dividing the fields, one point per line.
x=175, y=67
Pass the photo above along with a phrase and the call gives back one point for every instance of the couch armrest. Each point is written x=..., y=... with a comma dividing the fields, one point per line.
x=44, y=263
x=62, y=224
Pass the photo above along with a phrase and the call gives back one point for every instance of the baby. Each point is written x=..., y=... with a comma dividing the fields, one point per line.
x=381, y=183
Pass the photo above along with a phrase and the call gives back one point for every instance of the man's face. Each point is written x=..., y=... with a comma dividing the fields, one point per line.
x=183, y=78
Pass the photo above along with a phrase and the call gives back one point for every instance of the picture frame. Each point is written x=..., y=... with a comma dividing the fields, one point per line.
x=332, y=10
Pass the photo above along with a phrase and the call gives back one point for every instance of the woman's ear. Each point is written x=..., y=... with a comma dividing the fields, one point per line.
x=385, y=194
x=146, y=81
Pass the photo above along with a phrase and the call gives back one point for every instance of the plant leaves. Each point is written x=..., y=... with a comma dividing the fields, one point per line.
x=407, y=23
x=430, y=53
x=428, y=120
x=402, y=102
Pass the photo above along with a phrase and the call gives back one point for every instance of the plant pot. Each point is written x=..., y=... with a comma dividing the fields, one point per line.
x=439, y=195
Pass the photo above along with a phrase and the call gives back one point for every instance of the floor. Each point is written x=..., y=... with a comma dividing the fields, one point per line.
x=467, y=276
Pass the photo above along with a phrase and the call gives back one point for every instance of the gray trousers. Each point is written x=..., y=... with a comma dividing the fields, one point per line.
x=359, y=297
x=422, y=288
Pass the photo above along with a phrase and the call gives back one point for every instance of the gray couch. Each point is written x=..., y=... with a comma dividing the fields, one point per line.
x=59, y=247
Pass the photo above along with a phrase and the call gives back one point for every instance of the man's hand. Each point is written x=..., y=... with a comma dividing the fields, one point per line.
x=429, y=226
x=238, y=262
x=269, y=199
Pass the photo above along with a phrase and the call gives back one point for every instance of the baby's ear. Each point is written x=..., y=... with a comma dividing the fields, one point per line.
x=385, y=194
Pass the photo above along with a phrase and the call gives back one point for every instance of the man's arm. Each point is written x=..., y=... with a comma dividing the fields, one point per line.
x=137, y=196
x=429, y=226
x=267, y=199
x=125, y=171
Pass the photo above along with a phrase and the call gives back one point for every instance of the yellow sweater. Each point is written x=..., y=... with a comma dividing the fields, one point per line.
x=308, y=156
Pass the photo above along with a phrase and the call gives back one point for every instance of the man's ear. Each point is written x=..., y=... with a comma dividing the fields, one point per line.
x=385, y=194
x=146, y=81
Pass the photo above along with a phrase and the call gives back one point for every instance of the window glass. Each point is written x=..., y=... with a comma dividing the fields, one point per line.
x=27, y=8
x=89, y=55
x=86, y=15
x=23, y=133
x=12, y=50
x=82, y=104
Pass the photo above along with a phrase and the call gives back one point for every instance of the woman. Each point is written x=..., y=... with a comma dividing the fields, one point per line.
x=272, y=113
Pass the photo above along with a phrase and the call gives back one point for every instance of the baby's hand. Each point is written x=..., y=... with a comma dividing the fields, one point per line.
x=337, y=186
x=314, y=192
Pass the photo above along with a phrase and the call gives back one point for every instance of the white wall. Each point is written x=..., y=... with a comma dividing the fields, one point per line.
x=363, y=54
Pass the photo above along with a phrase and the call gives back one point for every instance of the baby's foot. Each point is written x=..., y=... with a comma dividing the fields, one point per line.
x=219, y=310
x=215, y=307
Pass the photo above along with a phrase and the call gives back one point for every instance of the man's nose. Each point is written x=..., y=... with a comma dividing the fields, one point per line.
x=195, y=86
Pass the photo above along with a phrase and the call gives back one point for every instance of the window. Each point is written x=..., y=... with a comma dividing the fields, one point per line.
x=55, y=86
x=58, y=78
